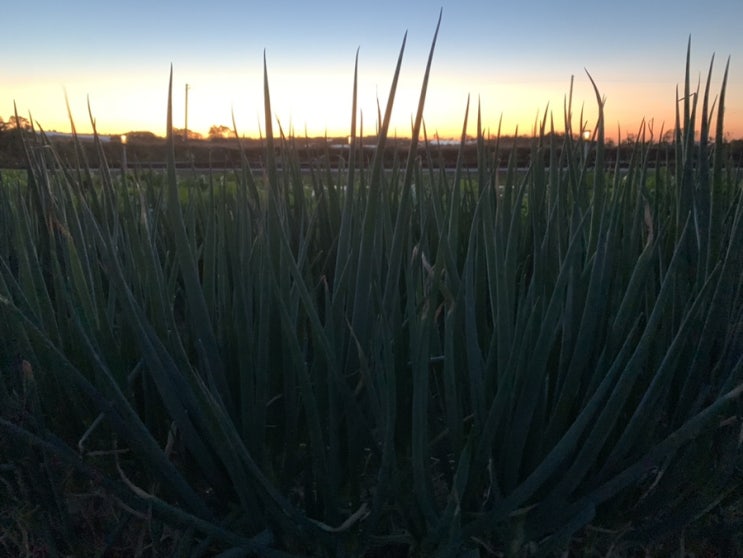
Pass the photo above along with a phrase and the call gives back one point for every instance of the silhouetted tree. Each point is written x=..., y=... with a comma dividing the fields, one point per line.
x=219, y=132
x=178, y=133
x=668, y=136
x=19, y=122
x=140, y=136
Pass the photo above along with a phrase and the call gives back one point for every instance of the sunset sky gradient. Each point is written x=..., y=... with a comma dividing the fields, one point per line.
x=517, y=58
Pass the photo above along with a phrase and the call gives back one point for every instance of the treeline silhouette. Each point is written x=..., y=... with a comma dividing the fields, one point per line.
x=146, y=150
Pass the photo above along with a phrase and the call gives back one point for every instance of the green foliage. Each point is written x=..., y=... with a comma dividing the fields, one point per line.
x=364, y=357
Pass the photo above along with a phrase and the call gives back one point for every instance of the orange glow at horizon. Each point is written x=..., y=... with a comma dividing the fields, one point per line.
x=305, y=103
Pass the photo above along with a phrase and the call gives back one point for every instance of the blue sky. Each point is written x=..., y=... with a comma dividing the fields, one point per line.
x=516, y=57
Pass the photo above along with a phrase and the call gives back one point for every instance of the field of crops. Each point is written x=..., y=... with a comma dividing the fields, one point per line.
x=358, y=361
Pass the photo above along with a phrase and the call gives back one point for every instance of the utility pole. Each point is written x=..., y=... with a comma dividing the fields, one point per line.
x=185, y=132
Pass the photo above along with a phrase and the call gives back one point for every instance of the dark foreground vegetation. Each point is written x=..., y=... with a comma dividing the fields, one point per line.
x=375, y=358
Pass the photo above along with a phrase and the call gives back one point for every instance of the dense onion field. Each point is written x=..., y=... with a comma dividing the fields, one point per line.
x=362, y=360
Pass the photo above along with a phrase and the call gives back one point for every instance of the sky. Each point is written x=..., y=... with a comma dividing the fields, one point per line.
x=512, y=59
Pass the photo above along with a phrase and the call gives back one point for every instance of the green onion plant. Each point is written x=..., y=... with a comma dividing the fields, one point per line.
x=371, y=357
